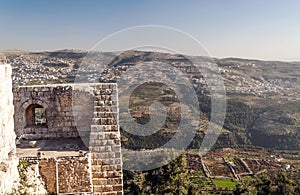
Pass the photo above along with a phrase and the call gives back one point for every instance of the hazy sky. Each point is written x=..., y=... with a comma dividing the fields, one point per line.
x=263, y=29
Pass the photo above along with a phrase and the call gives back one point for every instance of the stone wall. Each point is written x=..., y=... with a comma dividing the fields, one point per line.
x=74, y=174
x=86, y=110
x=57, y=100
x=47, y=169
x=105, y=142
x=8, y=163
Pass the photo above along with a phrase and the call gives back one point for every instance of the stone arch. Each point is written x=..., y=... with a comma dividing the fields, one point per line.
x=27, y=109
x=35, y=115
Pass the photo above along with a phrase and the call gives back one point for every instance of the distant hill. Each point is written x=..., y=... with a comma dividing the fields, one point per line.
x=263, y=97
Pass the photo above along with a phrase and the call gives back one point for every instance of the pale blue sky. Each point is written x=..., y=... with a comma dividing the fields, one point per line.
x=262, y=29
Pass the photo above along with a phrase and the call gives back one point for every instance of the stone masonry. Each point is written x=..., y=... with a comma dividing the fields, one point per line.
x=47, y=168
x=66, y=174
x=88, y=111
x=58, y=101
x=74, y=175
x=8, y=163
x=105, y=142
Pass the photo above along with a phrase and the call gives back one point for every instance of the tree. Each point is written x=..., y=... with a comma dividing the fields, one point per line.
x=172, y=178
x=283, y=185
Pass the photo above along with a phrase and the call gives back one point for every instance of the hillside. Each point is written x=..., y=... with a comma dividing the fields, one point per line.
x=263, y=100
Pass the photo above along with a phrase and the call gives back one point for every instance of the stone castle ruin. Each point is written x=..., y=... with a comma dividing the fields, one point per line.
x=71, y=131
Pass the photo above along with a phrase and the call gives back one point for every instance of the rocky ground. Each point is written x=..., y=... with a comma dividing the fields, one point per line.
x=30, y=180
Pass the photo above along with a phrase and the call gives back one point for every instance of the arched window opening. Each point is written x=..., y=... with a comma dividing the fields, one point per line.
x=36, y=115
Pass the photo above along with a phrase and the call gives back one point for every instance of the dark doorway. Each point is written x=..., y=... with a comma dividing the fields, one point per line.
x=36, y=115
